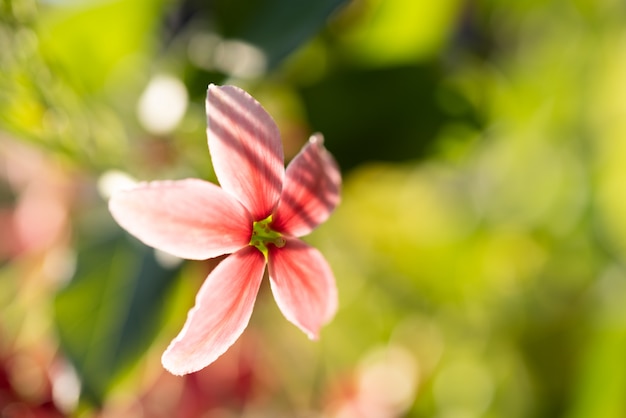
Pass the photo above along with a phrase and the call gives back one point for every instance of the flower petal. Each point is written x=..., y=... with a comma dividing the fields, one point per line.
x=246, y=149
x=189, y=218
x=311, y=190
x=303, y=285
x=223, y=308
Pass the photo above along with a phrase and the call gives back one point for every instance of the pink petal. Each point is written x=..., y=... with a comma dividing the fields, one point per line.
x=246, y=149
x=223, y=308
x=303, y=285
x=311, y=190
x=189, y=218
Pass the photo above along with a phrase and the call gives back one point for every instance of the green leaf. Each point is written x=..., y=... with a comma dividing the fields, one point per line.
x=88, y=41
x=110, y=313
x=399, y=32
x=277, y=27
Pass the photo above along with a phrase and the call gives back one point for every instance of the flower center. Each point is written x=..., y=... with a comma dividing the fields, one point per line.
x=262, y=235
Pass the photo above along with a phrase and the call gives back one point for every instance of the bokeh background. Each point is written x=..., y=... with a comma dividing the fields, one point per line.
x=479, y=249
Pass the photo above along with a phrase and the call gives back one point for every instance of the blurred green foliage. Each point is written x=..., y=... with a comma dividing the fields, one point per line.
x=113, y=307
x=479, y=248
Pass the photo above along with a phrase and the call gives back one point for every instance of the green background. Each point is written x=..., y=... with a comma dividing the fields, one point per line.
x=479, y=248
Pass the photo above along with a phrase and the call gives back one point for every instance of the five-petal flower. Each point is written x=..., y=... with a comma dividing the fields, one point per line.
x=257, y=216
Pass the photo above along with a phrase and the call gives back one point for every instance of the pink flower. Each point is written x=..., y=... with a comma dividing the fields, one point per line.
x=256, y=217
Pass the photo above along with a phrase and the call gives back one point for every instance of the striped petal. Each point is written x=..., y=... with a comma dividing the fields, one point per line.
x=246, y=149
x=223, y=308
x=311, y=190
x=190, y=218
x=303, y=285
